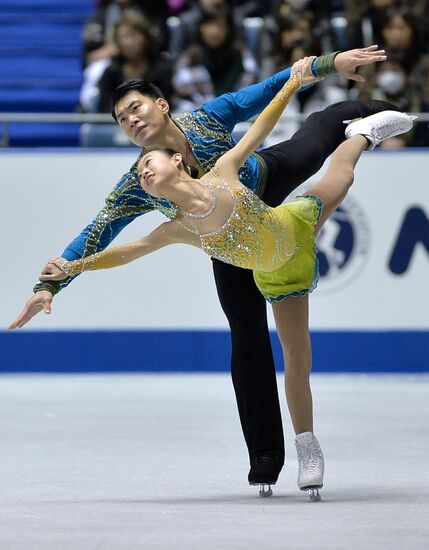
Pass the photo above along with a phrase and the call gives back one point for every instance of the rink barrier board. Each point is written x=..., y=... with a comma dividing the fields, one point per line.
x=201, y=351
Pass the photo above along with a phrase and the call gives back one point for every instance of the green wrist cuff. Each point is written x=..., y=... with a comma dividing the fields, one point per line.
x=52, y=287
x=324, y=65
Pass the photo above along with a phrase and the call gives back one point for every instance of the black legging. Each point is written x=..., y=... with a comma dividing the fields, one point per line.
x=289, y=164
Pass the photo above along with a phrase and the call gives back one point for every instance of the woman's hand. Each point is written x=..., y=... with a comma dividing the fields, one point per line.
x=302, y=69
x=53, y=272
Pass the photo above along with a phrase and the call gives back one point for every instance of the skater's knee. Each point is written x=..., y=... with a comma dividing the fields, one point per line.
x=297, y=354
x=298, y=360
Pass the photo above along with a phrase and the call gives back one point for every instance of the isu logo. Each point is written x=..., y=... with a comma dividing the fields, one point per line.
x=342, y=246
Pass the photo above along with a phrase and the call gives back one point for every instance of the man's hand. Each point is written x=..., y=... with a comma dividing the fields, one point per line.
x=347, y=62
x=40, y=300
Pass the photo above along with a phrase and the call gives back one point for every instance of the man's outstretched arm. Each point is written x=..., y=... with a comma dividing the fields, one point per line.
x=234, y=107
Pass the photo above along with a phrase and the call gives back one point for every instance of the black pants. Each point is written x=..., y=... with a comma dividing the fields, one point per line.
x=289, y=164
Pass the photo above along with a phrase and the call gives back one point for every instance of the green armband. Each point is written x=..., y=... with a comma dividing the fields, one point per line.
x=53, y=287
x=324, y=65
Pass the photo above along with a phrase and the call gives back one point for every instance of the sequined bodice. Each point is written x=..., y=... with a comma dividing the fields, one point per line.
x=254, y=236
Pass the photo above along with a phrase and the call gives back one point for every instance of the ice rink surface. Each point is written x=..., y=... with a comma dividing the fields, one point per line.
x=113, y=462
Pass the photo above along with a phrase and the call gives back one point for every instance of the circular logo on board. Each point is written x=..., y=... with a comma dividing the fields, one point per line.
x=342, y=246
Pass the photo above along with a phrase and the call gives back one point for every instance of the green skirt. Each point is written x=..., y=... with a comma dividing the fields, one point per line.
x=300, y=274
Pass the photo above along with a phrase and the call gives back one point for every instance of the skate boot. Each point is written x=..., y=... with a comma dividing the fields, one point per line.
x=376, y=128
x=311, y=464
x=264, y=471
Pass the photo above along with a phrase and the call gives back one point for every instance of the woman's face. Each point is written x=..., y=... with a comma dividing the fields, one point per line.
x=398, y=34
x=157, y=172
x=131, y=43
x=214, y=33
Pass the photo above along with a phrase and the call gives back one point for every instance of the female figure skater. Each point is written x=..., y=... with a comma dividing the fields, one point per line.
x=228, y=221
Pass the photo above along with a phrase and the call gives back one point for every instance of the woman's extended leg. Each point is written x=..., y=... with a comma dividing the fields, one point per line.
x=292, y=162
x=334, y=185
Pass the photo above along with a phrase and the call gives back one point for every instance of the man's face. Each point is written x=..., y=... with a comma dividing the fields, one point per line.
x=142, y=118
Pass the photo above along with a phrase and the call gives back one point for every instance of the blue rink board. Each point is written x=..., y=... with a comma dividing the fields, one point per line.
x=201, y=351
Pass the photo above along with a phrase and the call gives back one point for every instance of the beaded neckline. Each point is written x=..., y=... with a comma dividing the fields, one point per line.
x=210, y=185
x=205, y=214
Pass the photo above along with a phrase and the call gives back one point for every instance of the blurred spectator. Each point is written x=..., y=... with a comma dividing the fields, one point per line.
x=188, y=21
x=192, y=81
x=289, y=32
x=216, y=53
x=291, y=22
x=394, y=83
x=98, y=32
x=364, y=21
x=137, y=58
x=391, y=81
x=400, y=38
x=421, y=130
x=188, y=24
x=367, y=18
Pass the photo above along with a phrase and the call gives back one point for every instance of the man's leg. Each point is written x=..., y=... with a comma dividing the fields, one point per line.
x=292, y=162
x=253, y=371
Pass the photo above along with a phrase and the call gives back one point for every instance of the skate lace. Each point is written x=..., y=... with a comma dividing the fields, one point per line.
x=383, y=129
x=310, y=456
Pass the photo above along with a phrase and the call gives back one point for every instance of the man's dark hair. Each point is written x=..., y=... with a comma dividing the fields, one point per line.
x=144, y=87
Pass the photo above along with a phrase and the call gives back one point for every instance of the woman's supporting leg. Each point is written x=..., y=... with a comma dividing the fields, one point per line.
x=252, y=368
x=291, y=316
x=334, y=185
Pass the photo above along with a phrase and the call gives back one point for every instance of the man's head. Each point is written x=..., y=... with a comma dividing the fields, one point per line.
x=140, y=109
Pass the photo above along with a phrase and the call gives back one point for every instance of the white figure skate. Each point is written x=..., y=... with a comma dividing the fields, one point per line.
x=383, y=125
x=310, y=463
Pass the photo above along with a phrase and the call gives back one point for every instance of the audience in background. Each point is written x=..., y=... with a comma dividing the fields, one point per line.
x=187, y=24
x=394, y=83
x=98, y=32
x=213, y=46
x=216, y=62
x=137, y=58
x=400, y=38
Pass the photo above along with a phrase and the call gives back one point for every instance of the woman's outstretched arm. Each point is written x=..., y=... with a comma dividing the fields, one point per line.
x=266, y=121
x=165, y=234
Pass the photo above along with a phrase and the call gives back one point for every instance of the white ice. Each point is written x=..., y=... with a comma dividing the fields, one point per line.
x=115, y=462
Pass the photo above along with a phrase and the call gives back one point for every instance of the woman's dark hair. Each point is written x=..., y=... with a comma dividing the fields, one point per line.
x=166, y=150
x=193, y=172
x=144, y=87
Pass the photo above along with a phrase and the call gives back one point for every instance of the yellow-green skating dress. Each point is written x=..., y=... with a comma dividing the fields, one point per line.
x=278, y=244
